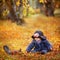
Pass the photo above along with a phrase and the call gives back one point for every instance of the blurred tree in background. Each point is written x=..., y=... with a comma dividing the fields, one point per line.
x=57, y=3
x=8, y=10
x=16, y=10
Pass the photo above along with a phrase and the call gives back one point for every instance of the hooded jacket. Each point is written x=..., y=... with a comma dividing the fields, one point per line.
x=43, y=45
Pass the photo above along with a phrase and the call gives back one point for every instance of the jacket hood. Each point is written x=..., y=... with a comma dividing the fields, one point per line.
x=39, y=32
x=41, y=35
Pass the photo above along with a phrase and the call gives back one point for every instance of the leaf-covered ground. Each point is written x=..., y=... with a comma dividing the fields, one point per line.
x=16, y=37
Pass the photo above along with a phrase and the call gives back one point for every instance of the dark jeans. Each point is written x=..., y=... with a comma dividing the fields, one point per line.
x=42, y=52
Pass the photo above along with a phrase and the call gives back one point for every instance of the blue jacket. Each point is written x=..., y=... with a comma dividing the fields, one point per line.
x=43, y=45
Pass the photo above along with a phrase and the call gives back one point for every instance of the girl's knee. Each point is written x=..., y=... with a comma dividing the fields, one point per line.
x=33, y=51
x=43, y=51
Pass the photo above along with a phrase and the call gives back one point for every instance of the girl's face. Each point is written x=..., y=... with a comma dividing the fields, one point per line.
x=37, y=39
x=36, y=35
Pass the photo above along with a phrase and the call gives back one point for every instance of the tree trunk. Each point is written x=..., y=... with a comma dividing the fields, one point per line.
x=10, y=5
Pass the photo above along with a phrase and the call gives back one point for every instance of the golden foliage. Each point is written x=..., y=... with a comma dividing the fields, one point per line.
x=17, y=37
x=5, y=12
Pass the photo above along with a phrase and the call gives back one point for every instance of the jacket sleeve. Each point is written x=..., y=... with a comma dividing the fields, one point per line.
x=48, y=45
x=30, y=46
